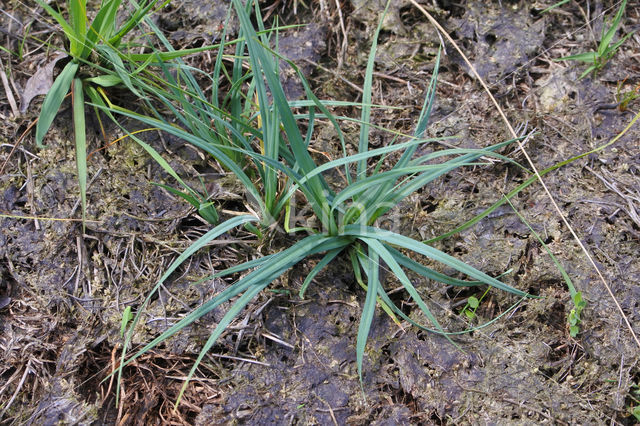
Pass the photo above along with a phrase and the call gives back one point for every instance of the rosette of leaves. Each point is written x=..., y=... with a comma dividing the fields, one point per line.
x=276, y=150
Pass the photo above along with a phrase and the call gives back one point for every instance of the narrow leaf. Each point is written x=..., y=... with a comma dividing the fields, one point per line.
x=368, y=310
x=78, y=17
x=382, y=251
x=316, y=269
x=201, y=242
x=365, y=117
x=68, y=30
x=608, y=36
x=431, y=252
x=81, y=143
x=53, y=100
x=588, y=57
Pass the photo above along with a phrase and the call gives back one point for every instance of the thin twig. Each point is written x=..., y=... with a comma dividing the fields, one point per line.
x=343, y=47
x=333, y=416
x=533, y=167
x=24, y=376
x=33, y=123
x=7, y=89
x=335, y=74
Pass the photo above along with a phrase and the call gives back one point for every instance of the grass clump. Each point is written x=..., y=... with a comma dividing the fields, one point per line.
x=99, y=59
x=257, y=136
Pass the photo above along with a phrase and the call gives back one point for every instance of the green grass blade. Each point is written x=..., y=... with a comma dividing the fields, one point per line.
x=197, y=245
x=105, y=80
x=98, y=103
x=418, y=268
x=563, y=272
x=358, y=258
x=168, y=56
x=189, y=198
x=608, y=36
x=576, y=296
x=266, y=272
x=113, y=57
x=365, y=117
x=361, y=190
x=251, y=284
x=260, y=61
x=376, y=208
x=208, y=212
x=68, y=29
x=592, y=68
x=78, y=18
x=261, y=277
x=319, y=267
x=588, y=57
x=617, y=44
x=351, y=159
x=383, y=296
x=53, y=100
x=217, y=67
x=140, y=13
x=525, y=184
x=102, y=26
x=388, y=178
x=425, y=113
x=380, y=249
x=310, y=126
x=200, y=143
x=238, y=268
x=237, y=307
x=486, y=152
x=363, y=156
x=553, y=6
x=81, y=143
x=431, y=252
x=161, y=162
x=423, y=120
x=397, y=194
x=368, y=309
x=271, y=139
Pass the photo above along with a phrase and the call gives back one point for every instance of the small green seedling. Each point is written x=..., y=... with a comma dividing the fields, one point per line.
x=470, y=309
x=472, y=305
x=574, y=315
x=84, y=38
x=599, y=58
x=626, y=97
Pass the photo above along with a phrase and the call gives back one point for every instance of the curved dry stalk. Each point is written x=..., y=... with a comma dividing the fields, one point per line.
x=533, y=167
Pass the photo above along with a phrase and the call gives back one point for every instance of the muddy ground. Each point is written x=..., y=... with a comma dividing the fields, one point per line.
x=292, y=361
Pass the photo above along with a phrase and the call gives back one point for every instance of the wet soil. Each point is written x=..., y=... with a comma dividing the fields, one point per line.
x=292, y=361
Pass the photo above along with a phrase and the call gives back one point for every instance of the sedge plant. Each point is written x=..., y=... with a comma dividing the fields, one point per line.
x=178, y=87
x=99, y=59
x=342, y=219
